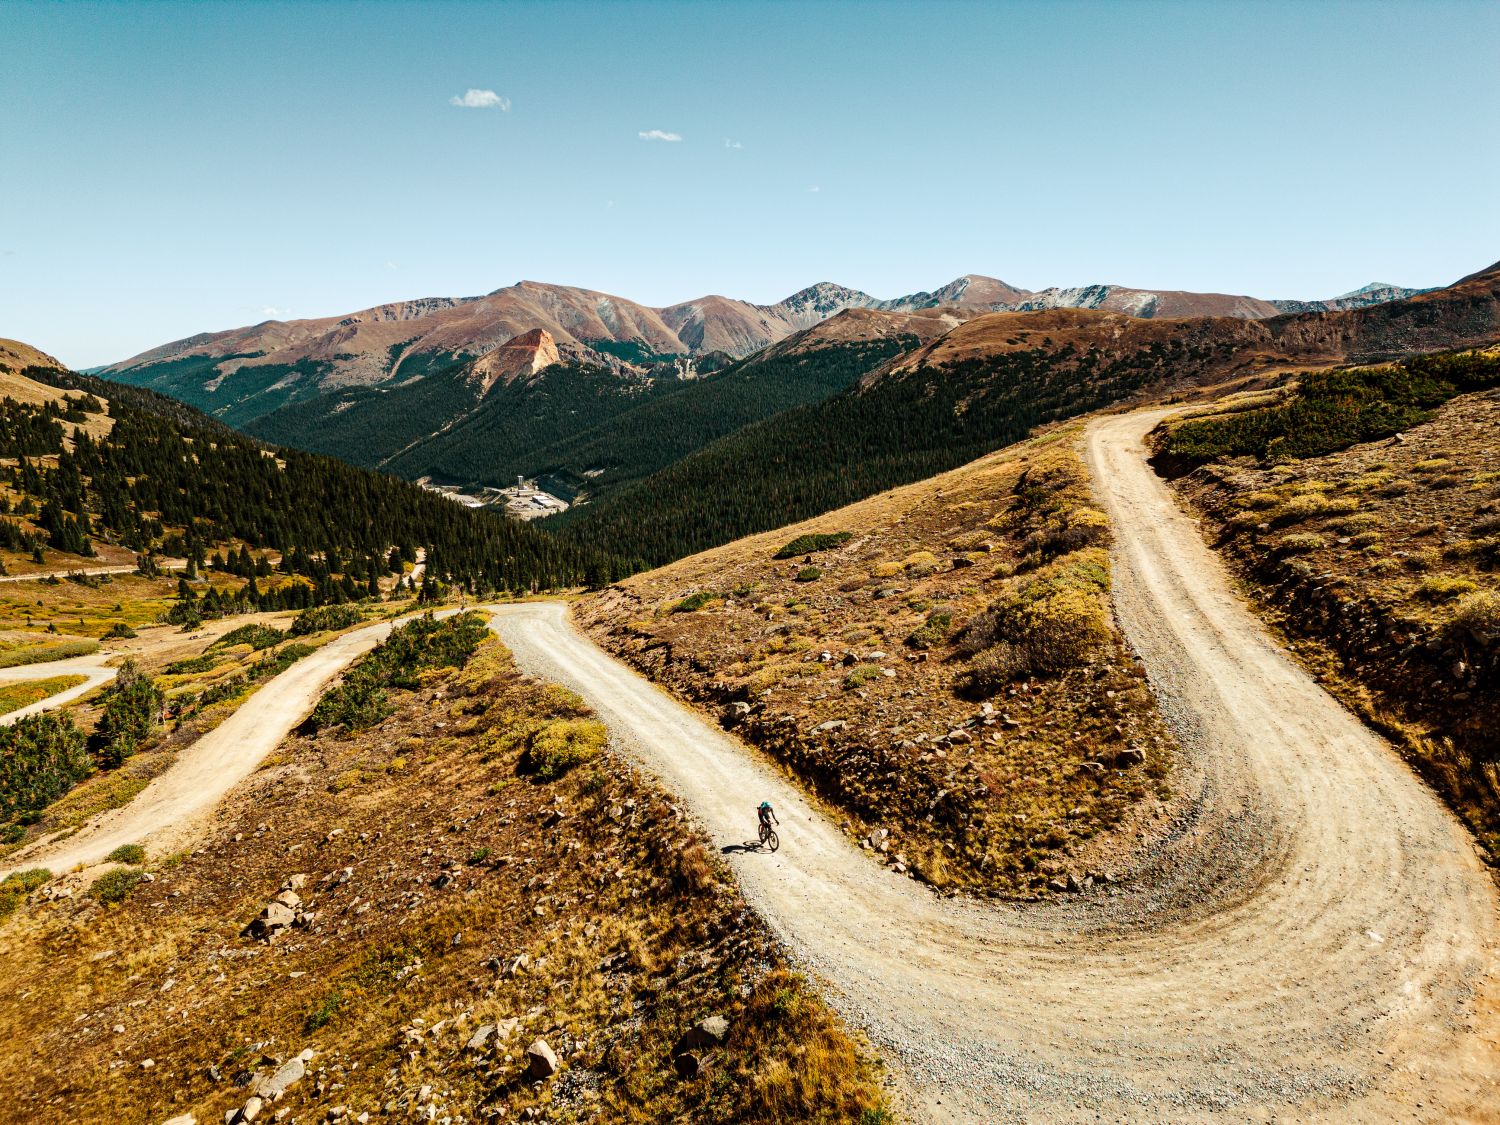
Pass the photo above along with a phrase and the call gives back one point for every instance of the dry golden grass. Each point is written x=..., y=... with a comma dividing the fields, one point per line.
x=995, y=782
x=459, y=862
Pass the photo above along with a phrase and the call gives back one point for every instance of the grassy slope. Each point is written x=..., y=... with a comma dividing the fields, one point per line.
x=455, y=865
x=1381, y=562
x=1003, y=800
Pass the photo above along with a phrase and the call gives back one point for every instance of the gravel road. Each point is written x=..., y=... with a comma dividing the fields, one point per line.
x=1316, y=941
x=92, y=668
x=167, y=809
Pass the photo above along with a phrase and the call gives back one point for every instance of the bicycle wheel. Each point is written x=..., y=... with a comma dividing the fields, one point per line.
x=772, y=841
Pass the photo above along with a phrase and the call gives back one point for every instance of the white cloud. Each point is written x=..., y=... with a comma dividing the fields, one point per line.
x=815, y=188
x=392, y=266
x=732, y=144
x=481, y=99
x=271, y=312
x=659, y=135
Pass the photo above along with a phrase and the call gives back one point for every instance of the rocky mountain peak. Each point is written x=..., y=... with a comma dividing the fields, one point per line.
x=520, y=357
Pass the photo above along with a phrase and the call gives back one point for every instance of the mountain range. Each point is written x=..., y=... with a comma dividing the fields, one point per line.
x=245, y=373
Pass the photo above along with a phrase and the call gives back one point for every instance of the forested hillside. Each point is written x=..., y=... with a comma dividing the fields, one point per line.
x=900, y=428
x=657, y=427
x=164, y=479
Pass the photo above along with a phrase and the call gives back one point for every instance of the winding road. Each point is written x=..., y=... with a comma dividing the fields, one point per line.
x=92, y=668
x=1317, y=942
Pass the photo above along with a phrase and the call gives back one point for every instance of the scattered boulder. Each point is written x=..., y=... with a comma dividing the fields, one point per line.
x=541, y=1062
x=830, y=726
x=710, y=1032
x=480, y=1039
x=1129, y=756
x=275, y=918
x=271, y=1086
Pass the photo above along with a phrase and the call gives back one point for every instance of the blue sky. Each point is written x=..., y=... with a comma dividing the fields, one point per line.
x=171, y=169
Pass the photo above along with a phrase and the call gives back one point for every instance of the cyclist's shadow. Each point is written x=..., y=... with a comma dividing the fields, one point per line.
x=747, y=846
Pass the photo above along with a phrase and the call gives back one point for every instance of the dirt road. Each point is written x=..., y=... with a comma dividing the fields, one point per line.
x=1317, y=942
x=92, y=668
x=167, y=809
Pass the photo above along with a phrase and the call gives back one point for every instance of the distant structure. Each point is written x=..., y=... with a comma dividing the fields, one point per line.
x=525, y=501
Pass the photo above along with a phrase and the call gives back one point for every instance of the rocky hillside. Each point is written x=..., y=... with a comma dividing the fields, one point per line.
x=468, y=911
x=1362, y=508
x=245, y=373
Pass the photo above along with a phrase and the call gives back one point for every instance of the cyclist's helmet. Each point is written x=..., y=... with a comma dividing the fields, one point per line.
x=765, y=804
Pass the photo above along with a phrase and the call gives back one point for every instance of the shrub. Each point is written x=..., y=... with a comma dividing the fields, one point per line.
x=807, y=544
x=115, y=886
x=398, y=661
x=693, y=602
x=1045, y=625
x=1333, y=410
x=1477, y=615
x=809, y=574
x=861, y=676
x=128, y=853
x=1444, y=587
x=324, y=618
x=119, y=630
x=561, y=745
x=15, y=887
x=933, y=631
x=192, y=665
x=1299, y=543
x=132, y=707
x=254, y=635
x=41, y=758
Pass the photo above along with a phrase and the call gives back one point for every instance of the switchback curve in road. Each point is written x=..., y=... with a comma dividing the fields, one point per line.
x=1316, y=943
x=92, y=668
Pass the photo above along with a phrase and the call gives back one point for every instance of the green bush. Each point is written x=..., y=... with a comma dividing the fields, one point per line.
x=119, y=630
x=15, y=887
x=1333, y=410
x=128, y=853
x=694, y=601
x=361, y=700
x=41, y=758
x=192, y=665
x=115, y=886
x=933, y=631
x=254, y=635
x=807, y=544
x=324, y=618
x=809, y=574
x=132, y=708
x=560, y=745
x=861, y=676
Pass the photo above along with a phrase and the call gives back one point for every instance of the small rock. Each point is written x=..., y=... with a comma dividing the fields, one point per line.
x=272, y=1086
x=540, y=1061
x=480, y=1038
x=251, y=1109
x=710, y=1032
x=830, y=725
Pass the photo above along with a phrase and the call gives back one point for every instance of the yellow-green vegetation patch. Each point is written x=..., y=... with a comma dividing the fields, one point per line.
x=15, y=696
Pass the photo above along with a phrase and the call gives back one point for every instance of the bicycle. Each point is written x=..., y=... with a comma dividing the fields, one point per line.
x=768, y=838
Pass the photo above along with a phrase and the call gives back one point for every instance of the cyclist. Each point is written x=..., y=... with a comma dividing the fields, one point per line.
x=767, y=818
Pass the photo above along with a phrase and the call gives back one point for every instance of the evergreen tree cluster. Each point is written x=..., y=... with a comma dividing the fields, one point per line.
x=900, y=428
x=340, y=528
x=41, y=758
